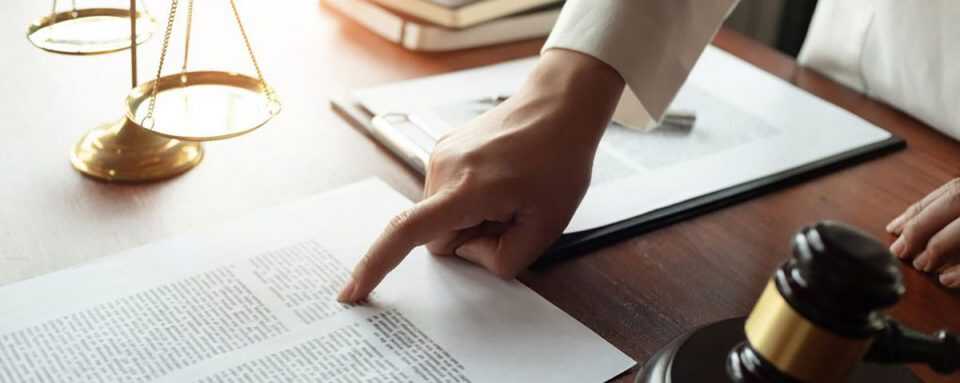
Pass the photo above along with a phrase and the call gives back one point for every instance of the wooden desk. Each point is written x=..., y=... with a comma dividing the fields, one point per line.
x=638, y=294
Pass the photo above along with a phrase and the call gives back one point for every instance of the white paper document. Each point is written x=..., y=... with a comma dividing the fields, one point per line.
x=254, y=301
x=749, y=125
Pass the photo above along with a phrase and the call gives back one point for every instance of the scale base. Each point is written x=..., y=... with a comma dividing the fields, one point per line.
x=122, y=152
x=701, y=356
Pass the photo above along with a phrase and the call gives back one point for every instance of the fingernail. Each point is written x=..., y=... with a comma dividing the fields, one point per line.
x=346, y=295
x=898, y=246
x=920, y=263
x=892, y=226
x=951, y=279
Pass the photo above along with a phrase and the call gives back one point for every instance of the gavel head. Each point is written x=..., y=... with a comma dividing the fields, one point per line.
x=817, y=316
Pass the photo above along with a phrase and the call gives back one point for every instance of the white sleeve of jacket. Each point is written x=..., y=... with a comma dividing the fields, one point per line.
x=653, y=44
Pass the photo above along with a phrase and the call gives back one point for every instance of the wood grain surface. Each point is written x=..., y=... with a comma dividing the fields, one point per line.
x=637, y=294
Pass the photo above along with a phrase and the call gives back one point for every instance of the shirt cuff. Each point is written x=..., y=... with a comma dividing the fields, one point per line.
x=653, y=44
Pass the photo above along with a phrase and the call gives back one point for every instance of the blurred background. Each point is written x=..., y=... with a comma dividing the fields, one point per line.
x=781, y=24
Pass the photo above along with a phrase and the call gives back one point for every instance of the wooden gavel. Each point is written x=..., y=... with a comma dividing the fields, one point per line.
x=820, y=315
x=819, y=319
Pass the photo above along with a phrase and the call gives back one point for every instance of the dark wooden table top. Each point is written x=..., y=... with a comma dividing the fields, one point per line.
x=637, y=294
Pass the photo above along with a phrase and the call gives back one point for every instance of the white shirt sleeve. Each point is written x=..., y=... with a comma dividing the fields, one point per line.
x=894, y=51
x=653, y=44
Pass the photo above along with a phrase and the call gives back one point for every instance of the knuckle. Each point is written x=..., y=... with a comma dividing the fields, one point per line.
x=911, y=230
x=399, y=222
x=473, y=158
x=915, y=208
x=469, y=181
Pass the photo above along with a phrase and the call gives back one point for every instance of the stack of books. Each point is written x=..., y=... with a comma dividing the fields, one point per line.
x=441, y=25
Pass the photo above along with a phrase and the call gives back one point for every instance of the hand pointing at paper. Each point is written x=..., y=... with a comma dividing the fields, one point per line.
x=501, y=189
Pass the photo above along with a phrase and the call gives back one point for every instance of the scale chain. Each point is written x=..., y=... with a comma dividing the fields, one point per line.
x=163, y=55
x=271, y=96
x=186, y=48
x=53, y=13
x=273, y=101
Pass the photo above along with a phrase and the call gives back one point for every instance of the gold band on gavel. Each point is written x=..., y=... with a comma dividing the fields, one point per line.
x=796, y=346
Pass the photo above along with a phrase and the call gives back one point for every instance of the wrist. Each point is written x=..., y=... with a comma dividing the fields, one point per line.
x=577, y=75
x=574, y=81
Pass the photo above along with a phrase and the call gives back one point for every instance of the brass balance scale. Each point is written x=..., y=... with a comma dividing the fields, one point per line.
x=166, y=118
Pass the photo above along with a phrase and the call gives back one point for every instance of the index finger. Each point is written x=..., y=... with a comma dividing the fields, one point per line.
x=438, y=214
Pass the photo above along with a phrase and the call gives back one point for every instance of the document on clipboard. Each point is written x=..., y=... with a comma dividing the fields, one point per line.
x=751, y=133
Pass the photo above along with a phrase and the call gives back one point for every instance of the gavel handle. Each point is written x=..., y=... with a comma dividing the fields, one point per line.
x=899, y=344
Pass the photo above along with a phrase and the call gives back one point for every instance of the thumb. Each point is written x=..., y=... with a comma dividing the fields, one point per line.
x=511, y=252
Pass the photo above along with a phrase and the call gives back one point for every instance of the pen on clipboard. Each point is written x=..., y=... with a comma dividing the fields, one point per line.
x=678, y=118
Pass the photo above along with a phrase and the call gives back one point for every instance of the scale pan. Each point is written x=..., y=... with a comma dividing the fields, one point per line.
x=202, y=106
x=88, y=31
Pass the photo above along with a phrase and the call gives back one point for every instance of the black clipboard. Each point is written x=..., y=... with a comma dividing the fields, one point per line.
x=574, y=244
